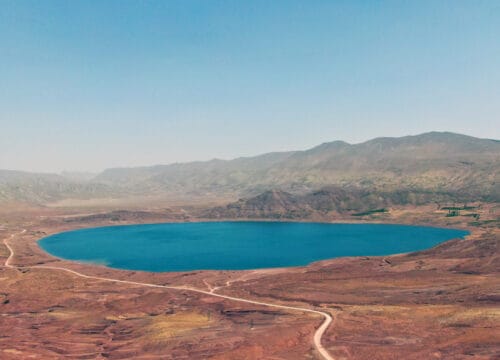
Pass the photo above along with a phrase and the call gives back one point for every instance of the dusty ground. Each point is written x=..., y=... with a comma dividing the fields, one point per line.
x=442, y=303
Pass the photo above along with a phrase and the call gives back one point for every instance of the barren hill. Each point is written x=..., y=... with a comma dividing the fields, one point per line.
x=432, y=161
x=437, y=162
x=41, y=188
x=275, y=204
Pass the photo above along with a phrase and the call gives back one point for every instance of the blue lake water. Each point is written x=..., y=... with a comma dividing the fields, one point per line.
x=237, y=245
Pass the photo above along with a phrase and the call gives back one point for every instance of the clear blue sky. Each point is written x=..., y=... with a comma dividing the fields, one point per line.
x=86, y=85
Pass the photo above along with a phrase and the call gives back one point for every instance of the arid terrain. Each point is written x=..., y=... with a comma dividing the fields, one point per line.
x=215, y=162
x=410, y=169
x=438, y=303
x=441, y=303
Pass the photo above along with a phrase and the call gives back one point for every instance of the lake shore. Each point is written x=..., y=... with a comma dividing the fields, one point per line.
x=237, y=245
x=418, y=289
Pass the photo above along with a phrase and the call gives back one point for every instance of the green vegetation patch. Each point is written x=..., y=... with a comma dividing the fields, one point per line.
x=370, y=212
x=457, y=208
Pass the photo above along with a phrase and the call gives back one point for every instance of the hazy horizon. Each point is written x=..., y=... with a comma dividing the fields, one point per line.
x=90, y=172
x=89, y=85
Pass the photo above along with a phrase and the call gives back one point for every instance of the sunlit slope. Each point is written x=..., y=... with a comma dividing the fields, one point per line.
x=435, y=162
x=432, y=161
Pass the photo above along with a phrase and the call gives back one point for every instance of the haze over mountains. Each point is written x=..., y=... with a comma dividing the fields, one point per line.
x=436, y=162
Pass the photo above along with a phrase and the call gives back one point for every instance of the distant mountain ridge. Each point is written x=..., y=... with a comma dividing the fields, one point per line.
x=432, y=162
x=42, y=188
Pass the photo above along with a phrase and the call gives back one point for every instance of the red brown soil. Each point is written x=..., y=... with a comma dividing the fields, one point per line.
x=437, y=304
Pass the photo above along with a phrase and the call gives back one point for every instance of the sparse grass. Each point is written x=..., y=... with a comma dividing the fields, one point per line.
x=163, y=327
x=447, y=315
x=65, y=314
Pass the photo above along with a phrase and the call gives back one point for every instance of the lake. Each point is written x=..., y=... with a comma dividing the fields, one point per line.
x=237, y=245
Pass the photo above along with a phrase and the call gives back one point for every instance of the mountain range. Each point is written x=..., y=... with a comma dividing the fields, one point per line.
x=435, y=162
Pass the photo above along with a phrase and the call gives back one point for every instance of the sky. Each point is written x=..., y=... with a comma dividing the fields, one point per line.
x=88, y=85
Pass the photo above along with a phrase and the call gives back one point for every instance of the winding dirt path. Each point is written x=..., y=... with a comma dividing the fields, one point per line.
x=317, y=335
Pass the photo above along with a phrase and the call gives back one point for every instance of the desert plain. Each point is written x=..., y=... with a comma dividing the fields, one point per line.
x=441, y=303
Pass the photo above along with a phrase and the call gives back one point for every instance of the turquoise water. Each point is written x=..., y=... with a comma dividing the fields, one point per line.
x=237, y=245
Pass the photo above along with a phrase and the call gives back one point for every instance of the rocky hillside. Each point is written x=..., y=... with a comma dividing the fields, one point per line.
x=279, y=204
x=432, y=162
x=43, y=188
